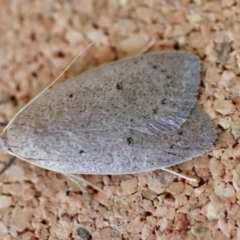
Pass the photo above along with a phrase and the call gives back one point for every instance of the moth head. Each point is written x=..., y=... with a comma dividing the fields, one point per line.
x=2, y=143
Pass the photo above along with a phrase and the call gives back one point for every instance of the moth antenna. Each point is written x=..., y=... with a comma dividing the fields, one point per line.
x=55, y=80
x=179, y=175
x=10, y=163
x=76, y=179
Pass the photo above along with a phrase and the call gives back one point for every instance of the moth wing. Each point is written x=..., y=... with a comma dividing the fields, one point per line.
x=152, y=94
x=118, y=151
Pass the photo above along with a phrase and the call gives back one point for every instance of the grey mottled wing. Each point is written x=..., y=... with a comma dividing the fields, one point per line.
x=151, y=94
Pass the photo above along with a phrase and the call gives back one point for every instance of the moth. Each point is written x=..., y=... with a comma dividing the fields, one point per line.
x=134, y=115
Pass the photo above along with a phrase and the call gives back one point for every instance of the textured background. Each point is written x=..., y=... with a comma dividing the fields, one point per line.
x=38, y=39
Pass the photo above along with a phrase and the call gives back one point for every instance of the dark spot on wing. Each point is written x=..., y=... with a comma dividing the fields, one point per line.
x=130, y=140
x=154, y=67
x=119, y=86
x=163, y=101
x=180, y=133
